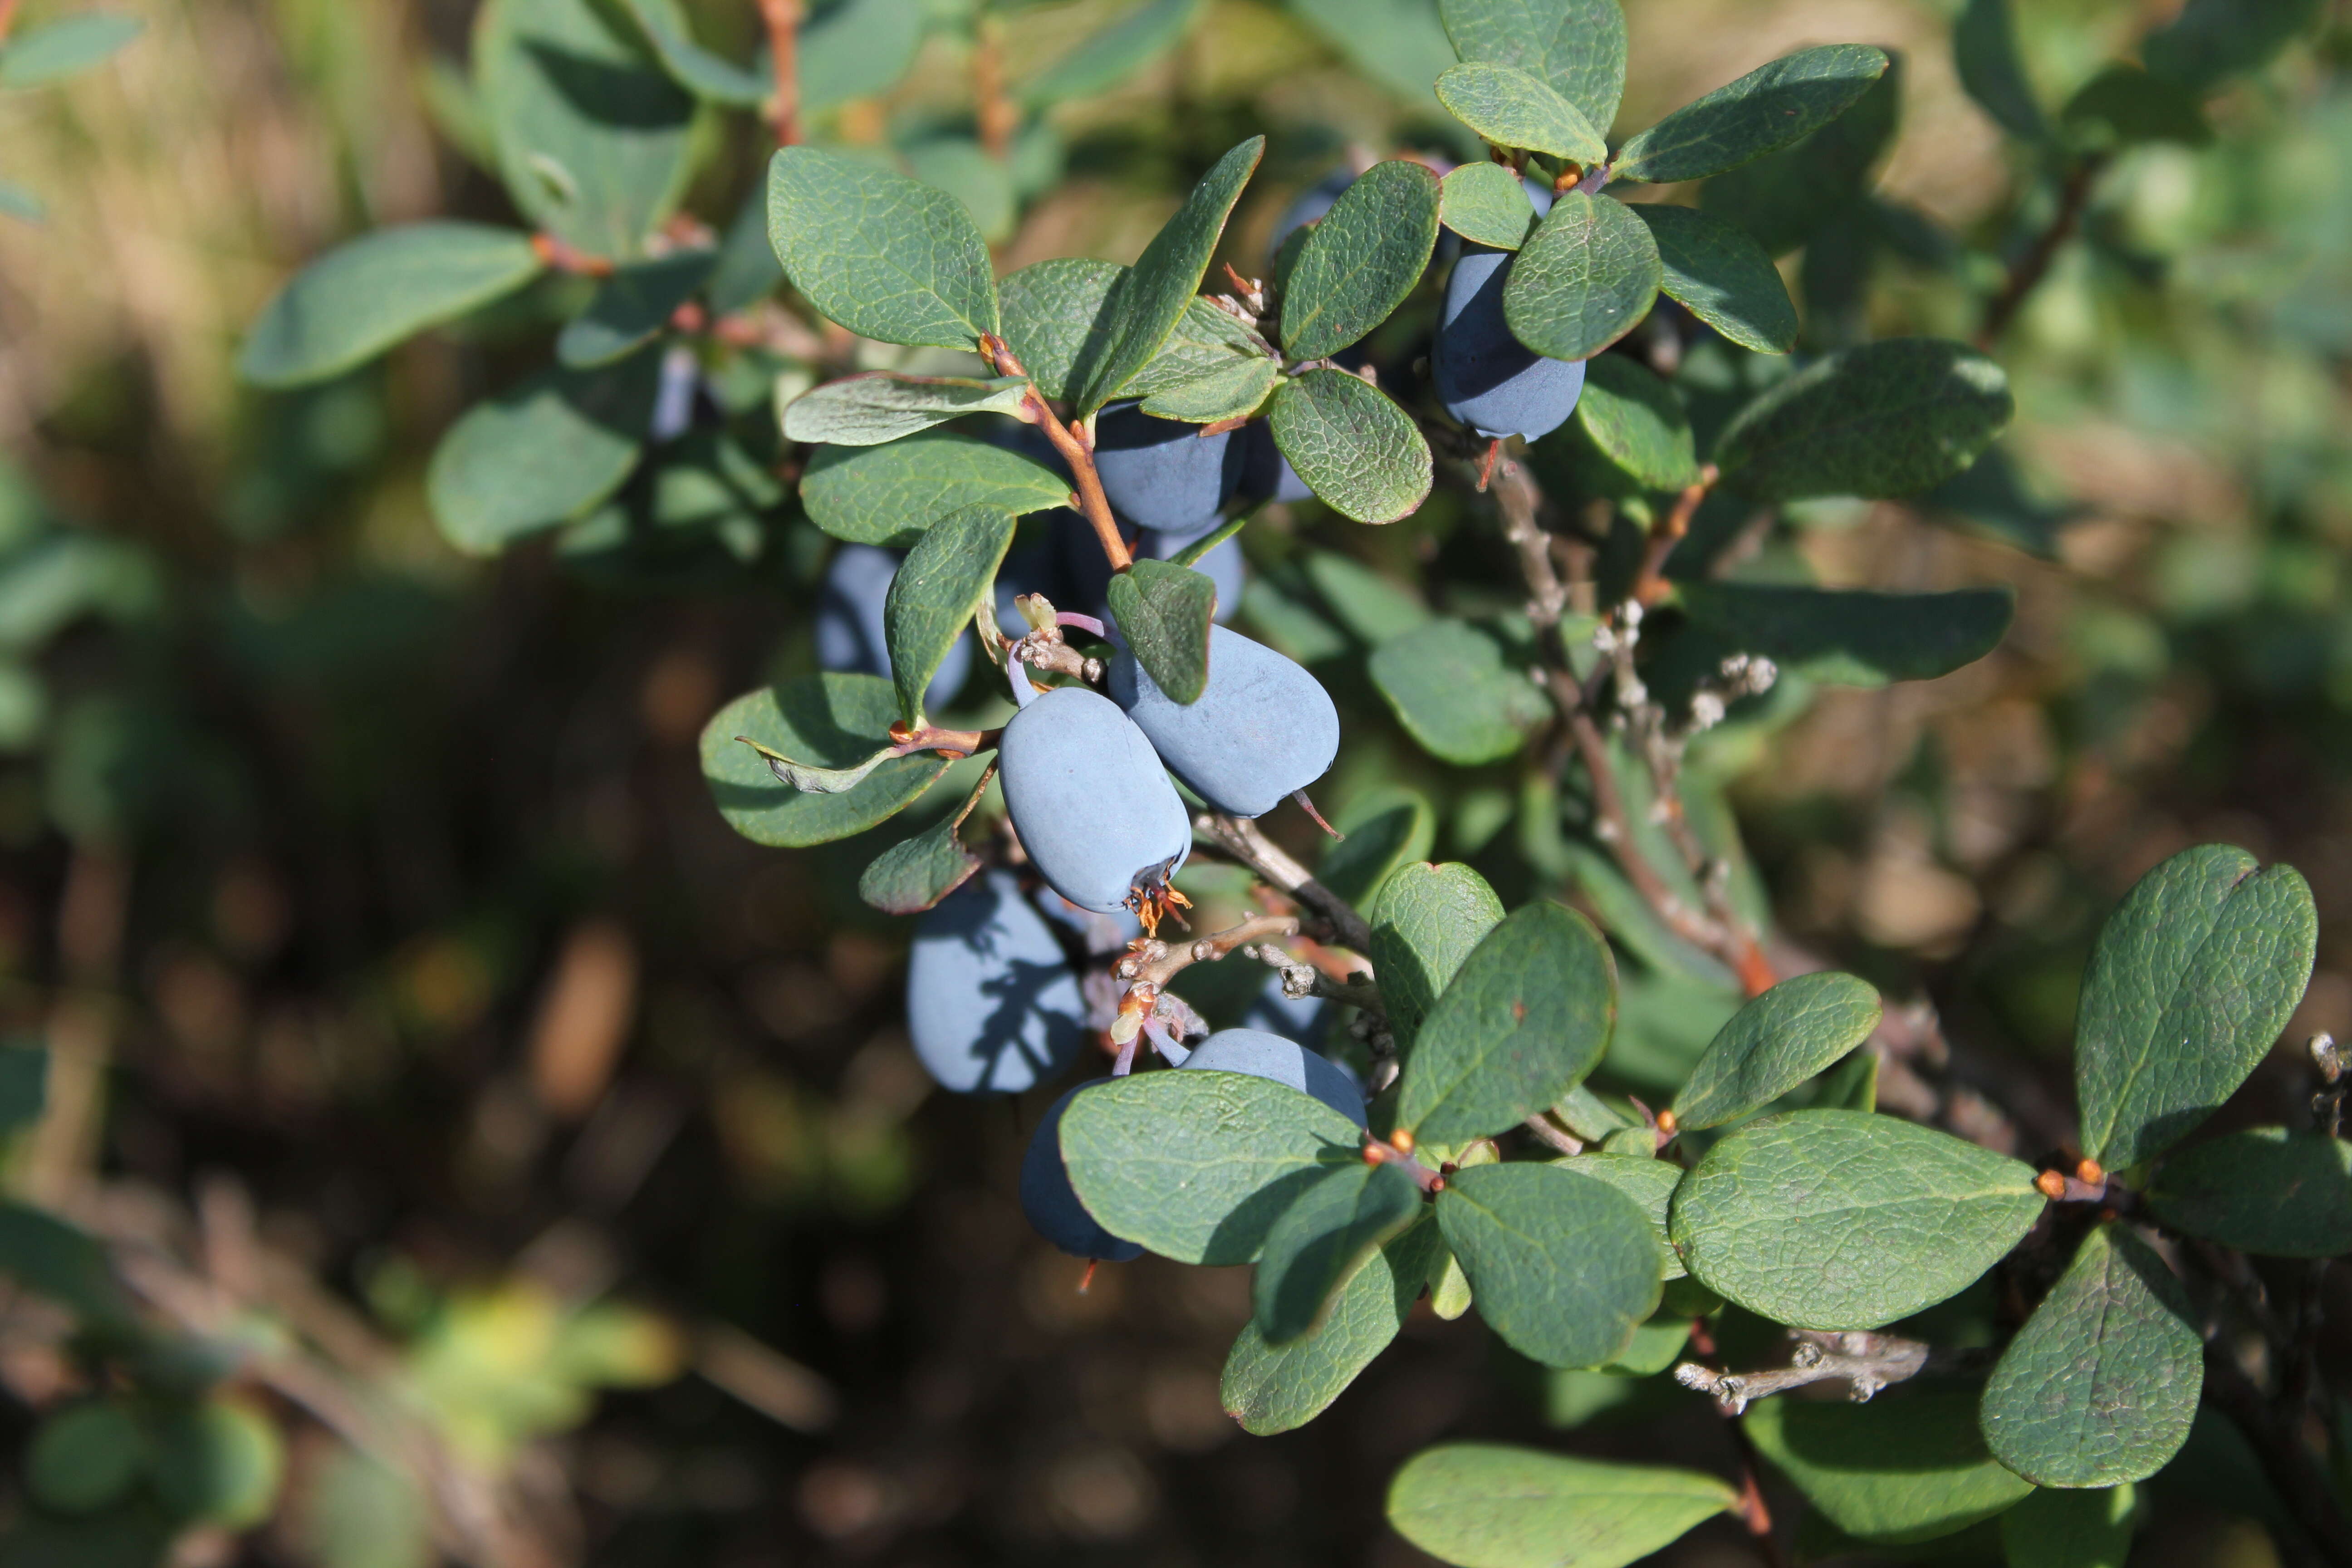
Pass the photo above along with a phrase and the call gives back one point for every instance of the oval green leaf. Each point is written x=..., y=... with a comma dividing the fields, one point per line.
x=1883, y=420
x=1487, y=204
x=1853, y=637
x=1516, y=111
x=2191, y=980
x=1911, y=1465
x=632, y=307
x=1164, y=609
x=2087, y=1529
x=828, y=720
x=1522, y=1022
x=1776, y=1042
x=1577, y=46
x=1232, y=391
x=889, y=494
x=1361, y=455
x=1584, y=280
x=541, y=453
x=1057, y=312
x=2100, y=1384
x=1320, y=1242
x=1450, y=688
x=1563, y=1268
x=1271, y=1388
x=362, y=298
x=1111, y=54
x=1425, y=920
x=1358, y=265
x=887, y=257
x=1723, y=276
x=934, y=594
x=1766, y=109
x=1844, y=1219
x=1637, y=422
x=879, y=407
x=2263, y=1190
x=1197, y=1166
x=1651, y=1185
x=1481, y=1505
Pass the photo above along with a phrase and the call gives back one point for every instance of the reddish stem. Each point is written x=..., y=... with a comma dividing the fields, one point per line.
x=783, y=21
x=1650, y=584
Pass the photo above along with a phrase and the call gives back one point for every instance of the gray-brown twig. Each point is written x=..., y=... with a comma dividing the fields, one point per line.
x=1865, y=1362
x=1243, y=839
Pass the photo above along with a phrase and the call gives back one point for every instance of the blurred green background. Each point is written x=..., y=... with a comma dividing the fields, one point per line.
x=534, y=1173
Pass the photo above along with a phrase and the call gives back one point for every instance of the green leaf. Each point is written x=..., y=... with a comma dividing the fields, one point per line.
x=1577, y=46
x=1386, y=826
x=828, y=720
x=2084, y=1529
x=1585, y=278
x=1775, y=1043
x=1855, y=638
x=23, y=1085
x=541, y=453
x=1564, y=1268
x=1164, y=609
x=880, y=405
x=1487, y=204
x=1149, y=297
x=1232, y=391
x=1356, y=267
x=933, y=595
x=1425, y=922
x=1984, y=50
x=1649, y=1183
x=362, y=297
x=1637, y=422
x=1057, y=310
x=982, y=181
x=1482, y=1505
x=632, y=307
x=1841, y=1219
x=1272, y=1388
x=1197, y=1166
x=692, y=66
x=63, y=47
x=593, y=140
x=2100, y=1384
x=2123, y=106
x=889, y=494
x=916, y=873
x=1453, y=694
x=1322, y=1239
x=1105, y=57
x=1374, y=607
x=49, y=1258
x=1361, y=455
x=1785, y=198
x=2262, y=1190
x=1514, y=110
x=1396, y=43
x=1886, y=419
x=1525, y=1018
x=2210, y=40
x=884, y=255
x=1723, y=276
x=856, y=49
x=1764, y=110
x=2192, y=979
x=1909, y=1466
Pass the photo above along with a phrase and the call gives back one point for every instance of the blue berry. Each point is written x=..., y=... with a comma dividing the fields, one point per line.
x=1262, y=1054
x=1263, y=728
x=1091, y=803
x=849, y=634
x=1052, y=1204
x=993, y=1005
x=1163, y=474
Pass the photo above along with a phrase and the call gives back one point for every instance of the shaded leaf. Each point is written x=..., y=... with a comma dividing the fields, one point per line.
x=1147, y=30
x=593, y=140
x=1514, y=110
x=1723, y=276
x=932, y=597
x=1764, y=110
x=1564, y=1268
x=363, y=297
x=1483, y=1505
x=1197, y=1166
x=977, y=178
x=68, y=1264
x=2262, y=1190
x=1232, y=391
x=828, y=720
x=884, y=255
x=1785, y=198
x=2100, y=1384
x=36, y=55
x=889, y=494
x=699, y=71
x=1386, y=828
x=2123, y=106
x=1374, y=607
x=1577, y=46
x=1886, y=419
x=1911, y=1465
x=1522, y=1022
x=1637, y=422
x=2083, y=1529
x=1450, y=688
x=1357, y=266
x=1146, y=301
x=632, y=307
x=1774, y=1043
x=880, y=405
x=1322, y=1240
x=1164, y=611
x=1271, y=1388
x=24, y=1085
x=1487, y=204
x=1053, y=310
x=541, y=453
x=1855, y=638
x=2192, y=978
x=2209, y=40
x=1840, y=1219
x=1425, y=920
x=1984, y=50
x=1584, y=279
x=1361, y=455
x=916, y=873
x=855, y=49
